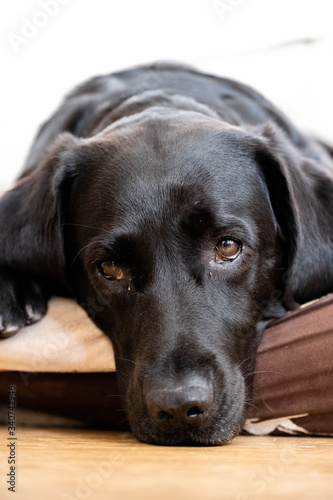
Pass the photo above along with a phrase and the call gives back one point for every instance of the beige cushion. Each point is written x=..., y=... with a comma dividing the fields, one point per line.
x=66, y=340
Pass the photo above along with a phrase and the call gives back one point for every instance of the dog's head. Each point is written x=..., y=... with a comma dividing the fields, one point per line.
x=174, y=231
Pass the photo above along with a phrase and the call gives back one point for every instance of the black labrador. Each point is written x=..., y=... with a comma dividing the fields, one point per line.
x=183, y=211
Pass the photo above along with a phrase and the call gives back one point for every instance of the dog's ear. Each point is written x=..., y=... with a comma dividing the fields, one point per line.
x=31, y=231
x=304, y=244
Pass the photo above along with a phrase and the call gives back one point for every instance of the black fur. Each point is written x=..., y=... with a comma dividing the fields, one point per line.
x=150, y=169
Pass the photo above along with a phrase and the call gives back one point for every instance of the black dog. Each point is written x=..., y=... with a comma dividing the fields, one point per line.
x=182, y=211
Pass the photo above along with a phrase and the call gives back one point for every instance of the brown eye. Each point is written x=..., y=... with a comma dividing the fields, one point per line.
x=227, y=249
x=111, y=271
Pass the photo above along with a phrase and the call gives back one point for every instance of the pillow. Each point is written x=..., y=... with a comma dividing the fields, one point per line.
x=65, y=340
x=294, y=373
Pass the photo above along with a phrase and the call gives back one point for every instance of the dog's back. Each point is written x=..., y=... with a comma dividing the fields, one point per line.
x=99, y=102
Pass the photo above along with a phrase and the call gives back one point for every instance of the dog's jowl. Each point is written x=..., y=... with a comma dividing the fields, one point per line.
x=190, y=211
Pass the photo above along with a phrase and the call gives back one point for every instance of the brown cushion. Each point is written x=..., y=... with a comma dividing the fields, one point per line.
x=294, y=372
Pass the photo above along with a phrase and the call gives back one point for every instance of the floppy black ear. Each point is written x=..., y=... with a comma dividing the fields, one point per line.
x=305, y=219
x=31, y=234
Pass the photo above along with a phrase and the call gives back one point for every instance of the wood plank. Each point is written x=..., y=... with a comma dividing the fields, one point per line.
x=69, y=464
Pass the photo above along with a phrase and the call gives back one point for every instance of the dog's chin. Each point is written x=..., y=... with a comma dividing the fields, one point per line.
x=217, y=432
x=214, y=436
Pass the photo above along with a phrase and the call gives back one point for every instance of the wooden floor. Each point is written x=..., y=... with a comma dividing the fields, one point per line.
x=68, y=464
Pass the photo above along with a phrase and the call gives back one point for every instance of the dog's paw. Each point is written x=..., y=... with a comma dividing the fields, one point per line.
x=22, y=301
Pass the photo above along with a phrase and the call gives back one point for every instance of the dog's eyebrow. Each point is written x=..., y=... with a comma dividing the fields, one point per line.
x=120, y=246
x=202, y=221
x=196, y=220
x=231, y=225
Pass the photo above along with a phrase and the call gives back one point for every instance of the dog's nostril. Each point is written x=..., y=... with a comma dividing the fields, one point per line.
x=164, y=415
x=194, y=411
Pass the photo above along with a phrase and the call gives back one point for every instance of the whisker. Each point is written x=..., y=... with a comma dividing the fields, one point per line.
x=247, y=403
x=244, y=361
x=83, y=248
x=85, y=225
x=121, y=378
x=123, y=421
x=261, y=371
x=129, y=360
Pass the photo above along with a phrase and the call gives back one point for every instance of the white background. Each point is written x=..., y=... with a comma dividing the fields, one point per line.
x=284, y=48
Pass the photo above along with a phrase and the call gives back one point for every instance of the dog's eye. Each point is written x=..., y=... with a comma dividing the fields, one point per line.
x=111, y=271
x=227, y=249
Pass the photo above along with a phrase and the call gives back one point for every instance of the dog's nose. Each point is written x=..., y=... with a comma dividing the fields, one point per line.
x=183, y=404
